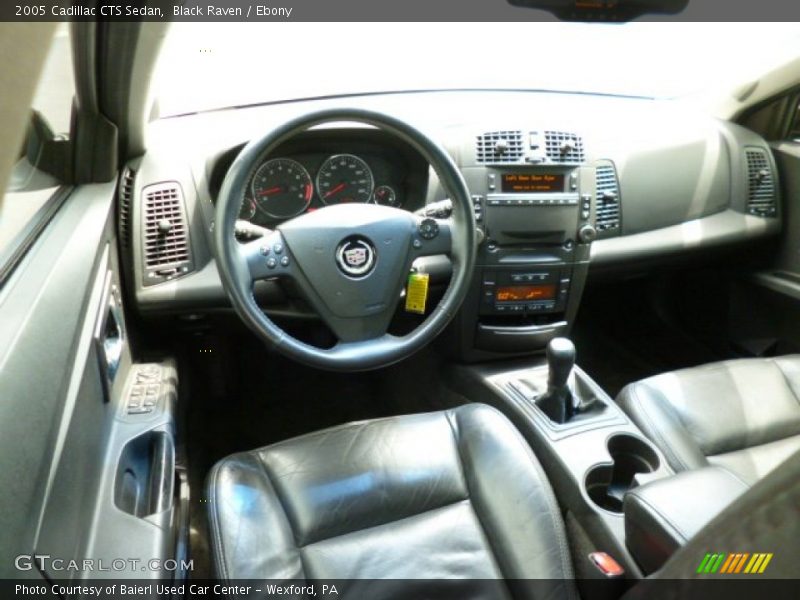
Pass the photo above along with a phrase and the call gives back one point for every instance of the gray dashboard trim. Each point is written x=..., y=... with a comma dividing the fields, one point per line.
x=723, y=228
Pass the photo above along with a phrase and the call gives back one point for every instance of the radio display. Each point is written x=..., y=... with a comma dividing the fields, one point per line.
x=523, y=293
x=531, y=183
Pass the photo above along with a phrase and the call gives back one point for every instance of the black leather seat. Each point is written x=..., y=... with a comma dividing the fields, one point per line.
x=743, y=415
x=454, y=494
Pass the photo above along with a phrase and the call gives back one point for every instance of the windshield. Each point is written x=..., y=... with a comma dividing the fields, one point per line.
x=211, y=65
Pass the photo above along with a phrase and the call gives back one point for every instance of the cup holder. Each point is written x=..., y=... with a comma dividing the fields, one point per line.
x=606, y=484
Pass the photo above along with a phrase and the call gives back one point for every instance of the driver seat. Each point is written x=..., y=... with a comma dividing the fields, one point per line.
x=452, y=494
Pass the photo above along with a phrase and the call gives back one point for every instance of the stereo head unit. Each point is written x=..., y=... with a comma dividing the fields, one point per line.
x=536, y=206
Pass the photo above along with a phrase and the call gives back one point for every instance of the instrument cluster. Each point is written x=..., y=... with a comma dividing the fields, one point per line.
x=285, y=187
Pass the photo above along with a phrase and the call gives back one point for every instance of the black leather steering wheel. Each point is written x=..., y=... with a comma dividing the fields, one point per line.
x=350, y=261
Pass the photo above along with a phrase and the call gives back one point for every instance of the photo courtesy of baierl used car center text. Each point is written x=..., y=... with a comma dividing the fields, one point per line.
x=379, y=300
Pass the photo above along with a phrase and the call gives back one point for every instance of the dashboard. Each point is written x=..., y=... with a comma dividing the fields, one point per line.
x=564, y=186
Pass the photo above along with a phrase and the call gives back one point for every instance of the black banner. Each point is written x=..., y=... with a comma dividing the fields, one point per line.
x=710, y=588
x=392, y=10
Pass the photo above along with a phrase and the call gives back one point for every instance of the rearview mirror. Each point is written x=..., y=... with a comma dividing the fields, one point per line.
x=603, y=10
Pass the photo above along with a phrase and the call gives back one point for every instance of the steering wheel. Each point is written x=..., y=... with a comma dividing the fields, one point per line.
x=349, y=261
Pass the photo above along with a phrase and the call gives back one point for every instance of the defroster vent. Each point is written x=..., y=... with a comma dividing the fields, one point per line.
x=761, y=199
x=167, y=251
x=608, y=207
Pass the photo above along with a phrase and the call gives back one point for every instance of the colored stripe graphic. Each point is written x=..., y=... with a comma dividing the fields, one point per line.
x=735, y=563
x=764, y=564
x=711, y=563
x=703, y=563
x=718, y=562
x=737, y=557
x=741, y=562
x=727, y=564
x=755, y=559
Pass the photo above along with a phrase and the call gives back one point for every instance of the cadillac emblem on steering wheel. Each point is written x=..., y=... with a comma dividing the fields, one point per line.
x=355, y=256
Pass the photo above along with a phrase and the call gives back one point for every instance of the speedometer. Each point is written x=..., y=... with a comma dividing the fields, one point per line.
x=344, y=178
x=282, y=188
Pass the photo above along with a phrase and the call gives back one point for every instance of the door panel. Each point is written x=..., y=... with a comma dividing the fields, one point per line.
x=65, y=431
x=769, y=304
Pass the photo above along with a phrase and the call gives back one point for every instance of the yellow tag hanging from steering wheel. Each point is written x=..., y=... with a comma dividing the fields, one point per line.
x=417, y=292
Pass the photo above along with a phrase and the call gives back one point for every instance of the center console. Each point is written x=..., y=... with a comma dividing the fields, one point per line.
x=534, y=203
x=592, y=453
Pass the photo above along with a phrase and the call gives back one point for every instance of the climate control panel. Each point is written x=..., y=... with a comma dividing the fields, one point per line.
x=526, y=291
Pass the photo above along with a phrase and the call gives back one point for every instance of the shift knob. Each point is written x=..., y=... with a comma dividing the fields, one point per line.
x=560, y=360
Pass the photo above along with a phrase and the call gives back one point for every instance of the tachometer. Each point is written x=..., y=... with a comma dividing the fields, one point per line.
x=344, y=178
x=282, y=188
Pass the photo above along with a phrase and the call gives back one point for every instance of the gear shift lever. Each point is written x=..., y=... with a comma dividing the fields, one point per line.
x=560, y=360
x=557, y=402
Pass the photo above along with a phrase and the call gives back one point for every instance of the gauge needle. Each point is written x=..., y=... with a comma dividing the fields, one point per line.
x=334, y=190
x=270, y=191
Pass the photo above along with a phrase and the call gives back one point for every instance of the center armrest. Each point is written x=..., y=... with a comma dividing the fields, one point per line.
x=663, y=515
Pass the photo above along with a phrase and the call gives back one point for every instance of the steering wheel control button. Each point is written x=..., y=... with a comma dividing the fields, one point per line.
x=265, y=250
x=356, y=256
x=277, y=248
x=285, y=261
x=271, y=263
x=428, y=229
x=417, y=244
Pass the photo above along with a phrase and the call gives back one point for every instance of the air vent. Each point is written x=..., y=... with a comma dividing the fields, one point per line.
x=500, y=147
x=563, y=148
x=124, y=199
x=167, y=252
x=761, y=184
x=608, y=219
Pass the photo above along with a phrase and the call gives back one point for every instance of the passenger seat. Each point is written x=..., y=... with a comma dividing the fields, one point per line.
x=741, y=414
